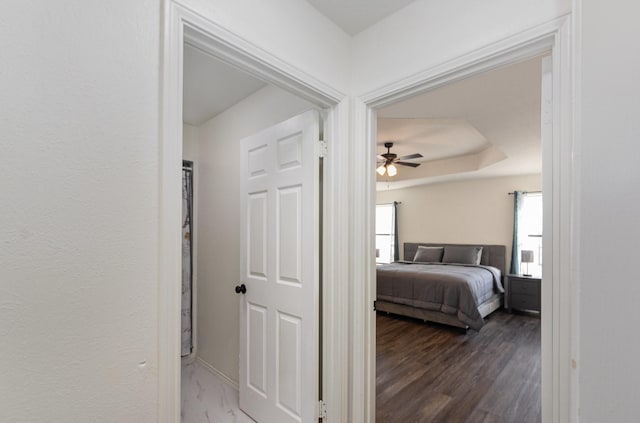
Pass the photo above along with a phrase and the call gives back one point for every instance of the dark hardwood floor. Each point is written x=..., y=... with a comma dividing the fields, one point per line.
x=433, y=373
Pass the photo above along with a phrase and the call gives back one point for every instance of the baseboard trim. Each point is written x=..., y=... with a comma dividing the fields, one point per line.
x=226, y=379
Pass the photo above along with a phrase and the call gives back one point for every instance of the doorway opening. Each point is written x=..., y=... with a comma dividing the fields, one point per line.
x=222, y=106
x=446, y=218
x=185, y=26
x=558, y=317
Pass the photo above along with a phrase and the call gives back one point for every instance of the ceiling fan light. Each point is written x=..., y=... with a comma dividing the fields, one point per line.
x=381, y=169
x=391, y=170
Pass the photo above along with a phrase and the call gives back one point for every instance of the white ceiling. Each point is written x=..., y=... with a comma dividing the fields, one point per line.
x=354, y=16
x=484, y=126
x=210, y=86
x=434, y=138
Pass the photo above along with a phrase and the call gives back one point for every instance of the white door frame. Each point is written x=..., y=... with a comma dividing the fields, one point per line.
x=559, y=307
x=182, y=24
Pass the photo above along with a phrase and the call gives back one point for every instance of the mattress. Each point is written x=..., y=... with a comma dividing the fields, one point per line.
x=454, y=289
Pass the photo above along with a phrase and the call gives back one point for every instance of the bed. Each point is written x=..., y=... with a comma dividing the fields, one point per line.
x=453, y=284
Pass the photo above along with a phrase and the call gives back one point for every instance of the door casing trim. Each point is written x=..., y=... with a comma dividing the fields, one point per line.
x=560, y=325
x=182, y=24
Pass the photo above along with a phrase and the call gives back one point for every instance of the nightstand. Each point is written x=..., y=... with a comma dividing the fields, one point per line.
x=524, y=292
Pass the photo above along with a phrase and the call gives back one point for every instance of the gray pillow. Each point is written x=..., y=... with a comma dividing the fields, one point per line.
x=462, y=254
x=429, y=254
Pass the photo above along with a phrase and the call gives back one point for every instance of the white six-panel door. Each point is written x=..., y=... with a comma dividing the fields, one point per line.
x=279, y=268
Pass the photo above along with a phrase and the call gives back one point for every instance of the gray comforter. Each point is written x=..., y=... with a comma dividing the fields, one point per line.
x=456, y=289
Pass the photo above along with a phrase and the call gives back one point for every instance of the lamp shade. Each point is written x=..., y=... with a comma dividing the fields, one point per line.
x=526, y=256
x=391, y=170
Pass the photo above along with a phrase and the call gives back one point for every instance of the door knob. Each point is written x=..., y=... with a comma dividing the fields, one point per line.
x=241, y=289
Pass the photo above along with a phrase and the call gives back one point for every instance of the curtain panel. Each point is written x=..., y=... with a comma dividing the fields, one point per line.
x=187, y=260
x=517, y=206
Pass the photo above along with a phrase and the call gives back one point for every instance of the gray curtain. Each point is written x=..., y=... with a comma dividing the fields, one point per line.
x=187, y=259
x=517, y=205
x=396, y=244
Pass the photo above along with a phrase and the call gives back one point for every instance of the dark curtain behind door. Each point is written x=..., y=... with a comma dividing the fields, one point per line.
x=187, y=259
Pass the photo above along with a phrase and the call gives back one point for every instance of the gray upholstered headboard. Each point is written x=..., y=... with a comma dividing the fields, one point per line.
x=492, y=255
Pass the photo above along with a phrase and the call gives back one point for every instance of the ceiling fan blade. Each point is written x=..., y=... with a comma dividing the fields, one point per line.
x=407, y=164
x=410, y=156
x=379, y=157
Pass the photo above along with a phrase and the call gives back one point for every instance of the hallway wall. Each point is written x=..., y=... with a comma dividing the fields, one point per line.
x=608, y=151
x=79, y=177
x=79, y=211
x=293, y=30
x=427, y=33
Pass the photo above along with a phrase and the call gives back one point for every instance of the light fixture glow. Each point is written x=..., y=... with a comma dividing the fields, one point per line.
x=381, y=169
x=391, y=170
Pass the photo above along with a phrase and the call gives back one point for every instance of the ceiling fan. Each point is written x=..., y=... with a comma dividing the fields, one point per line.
x=386, y=162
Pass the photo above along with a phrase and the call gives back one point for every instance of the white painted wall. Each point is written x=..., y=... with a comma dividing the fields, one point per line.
x=464, y=212
x=190, y=143
x=427, y=33
x=79, y=211
x=290, y=29
x=218, y=233
x=79, y=194
x=610, y=210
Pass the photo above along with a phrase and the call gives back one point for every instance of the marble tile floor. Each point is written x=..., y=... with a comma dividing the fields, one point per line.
x=207, y=399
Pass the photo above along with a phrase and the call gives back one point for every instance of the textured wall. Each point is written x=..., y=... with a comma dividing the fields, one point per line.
x=610, y=210
x=78, y=212
x=79, y=184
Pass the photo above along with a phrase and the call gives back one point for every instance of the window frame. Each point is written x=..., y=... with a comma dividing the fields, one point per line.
x=390, y=235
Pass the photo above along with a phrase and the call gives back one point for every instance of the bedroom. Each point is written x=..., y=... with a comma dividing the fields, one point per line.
x=480, y=142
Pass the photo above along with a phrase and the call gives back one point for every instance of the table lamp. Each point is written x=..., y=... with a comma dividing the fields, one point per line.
x=526, y=256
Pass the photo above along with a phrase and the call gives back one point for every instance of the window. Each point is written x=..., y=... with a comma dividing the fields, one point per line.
x=530, y=232
x=385, y=233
